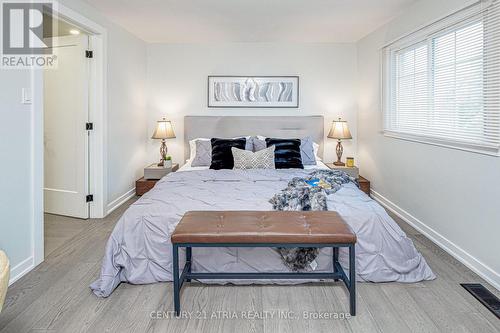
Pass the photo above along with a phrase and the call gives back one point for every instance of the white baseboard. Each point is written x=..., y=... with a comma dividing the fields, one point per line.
x=21, y=269
x=451, y=248
x=119, y=201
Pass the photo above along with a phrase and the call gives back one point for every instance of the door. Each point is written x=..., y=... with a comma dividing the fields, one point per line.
x=66, y=143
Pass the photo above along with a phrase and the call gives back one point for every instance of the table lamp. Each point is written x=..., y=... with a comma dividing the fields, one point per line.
x=339, y=131
x=163, y=131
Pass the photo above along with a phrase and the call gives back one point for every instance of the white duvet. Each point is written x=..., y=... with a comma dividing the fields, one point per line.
x=139, y=249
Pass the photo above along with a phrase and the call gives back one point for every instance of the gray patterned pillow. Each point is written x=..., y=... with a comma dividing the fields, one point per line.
x=258, y=143
x=307, y=151
x=203, y=156
x=245, y=159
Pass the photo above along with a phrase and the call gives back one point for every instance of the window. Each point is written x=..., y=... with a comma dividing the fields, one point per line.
x=442, y=86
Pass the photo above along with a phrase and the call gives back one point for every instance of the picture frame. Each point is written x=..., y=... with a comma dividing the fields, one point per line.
x=228, y=91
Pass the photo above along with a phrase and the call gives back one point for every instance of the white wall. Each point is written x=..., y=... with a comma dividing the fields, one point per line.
x=177, y=83
x=451, y=195
x=16, y=211
x=126, y=141
x=127, y=115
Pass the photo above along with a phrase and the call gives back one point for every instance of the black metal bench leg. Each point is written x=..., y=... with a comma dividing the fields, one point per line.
x=189, y=255
x=335, y=260
x=177, y=302
x=352, y=280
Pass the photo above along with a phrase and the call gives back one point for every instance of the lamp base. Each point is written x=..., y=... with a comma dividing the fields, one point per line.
x=339, y=151
x=163, y=152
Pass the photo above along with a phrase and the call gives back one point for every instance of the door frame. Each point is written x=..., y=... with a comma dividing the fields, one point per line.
x=97, y=139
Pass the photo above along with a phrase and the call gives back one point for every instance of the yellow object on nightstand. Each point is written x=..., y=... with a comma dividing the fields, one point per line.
x=349, y=162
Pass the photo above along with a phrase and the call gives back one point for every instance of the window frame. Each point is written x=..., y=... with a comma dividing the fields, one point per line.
x=389, y=83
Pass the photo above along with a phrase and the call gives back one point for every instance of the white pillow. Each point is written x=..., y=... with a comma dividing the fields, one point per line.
x=192, y=147
x=246, y=159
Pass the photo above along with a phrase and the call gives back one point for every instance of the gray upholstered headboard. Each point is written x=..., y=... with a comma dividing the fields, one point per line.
x=270, y=126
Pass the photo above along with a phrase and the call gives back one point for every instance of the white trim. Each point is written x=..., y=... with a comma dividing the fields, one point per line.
x=477, y=149
x=21, y=269
x=37, y=165
x=451, y=248
x=98, y=115
x=423, y=30
x=120, y=200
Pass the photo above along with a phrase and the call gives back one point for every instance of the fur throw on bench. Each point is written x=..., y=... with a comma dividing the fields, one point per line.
x=300, y=195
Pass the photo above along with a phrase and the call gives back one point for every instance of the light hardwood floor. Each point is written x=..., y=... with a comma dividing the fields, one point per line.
x=55, y=297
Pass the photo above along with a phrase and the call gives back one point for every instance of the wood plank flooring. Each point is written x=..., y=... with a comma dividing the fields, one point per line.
x=55, y=297
x=60, y=229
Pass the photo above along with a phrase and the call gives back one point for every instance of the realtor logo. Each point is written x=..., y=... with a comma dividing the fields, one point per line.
x=23, y=27
x=23, y=43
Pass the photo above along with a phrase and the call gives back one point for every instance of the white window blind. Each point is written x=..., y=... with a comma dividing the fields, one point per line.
x=443, y=86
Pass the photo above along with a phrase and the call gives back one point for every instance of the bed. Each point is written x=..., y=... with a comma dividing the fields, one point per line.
x=139, y=249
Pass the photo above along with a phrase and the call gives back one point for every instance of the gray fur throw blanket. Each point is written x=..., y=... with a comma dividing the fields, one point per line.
x=301, y=195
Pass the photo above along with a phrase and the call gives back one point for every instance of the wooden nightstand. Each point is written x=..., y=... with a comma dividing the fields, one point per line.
x=143, y=185
x=364, y=184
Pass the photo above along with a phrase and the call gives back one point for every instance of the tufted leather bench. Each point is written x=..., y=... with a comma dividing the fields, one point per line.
x=263, y=229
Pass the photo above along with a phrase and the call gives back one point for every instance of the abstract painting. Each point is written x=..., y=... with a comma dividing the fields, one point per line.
x=253, y=91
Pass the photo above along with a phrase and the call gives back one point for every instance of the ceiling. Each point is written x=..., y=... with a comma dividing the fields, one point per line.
x=59, y=27
x=201, y=21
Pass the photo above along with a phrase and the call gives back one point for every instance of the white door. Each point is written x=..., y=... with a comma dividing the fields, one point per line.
x=66, y=138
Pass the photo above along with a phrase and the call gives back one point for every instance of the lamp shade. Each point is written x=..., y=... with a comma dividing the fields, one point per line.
x=339, y=130
x=164, y=130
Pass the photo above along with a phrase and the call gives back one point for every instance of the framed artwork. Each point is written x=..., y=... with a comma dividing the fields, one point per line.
x=253, y=91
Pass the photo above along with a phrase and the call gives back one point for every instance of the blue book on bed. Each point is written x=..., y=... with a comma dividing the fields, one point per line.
x=313, y=182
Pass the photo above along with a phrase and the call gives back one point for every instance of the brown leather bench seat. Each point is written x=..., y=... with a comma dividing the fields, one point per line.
x=262, y=227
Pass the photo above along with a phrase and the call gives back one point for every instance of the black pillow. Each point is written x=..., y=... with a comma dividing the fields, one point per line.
x=222, y=156
x=286, y=153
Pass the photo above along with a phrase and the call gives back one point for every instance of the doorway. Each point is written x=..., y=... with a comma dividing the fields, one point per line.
x=66, y=114
x=97, y=163
x=66, y=131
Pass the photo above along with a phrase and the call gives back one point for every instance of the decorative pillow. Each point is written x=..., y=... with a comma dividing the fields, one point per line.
x=203, y=153
x=222, y=156
x=286, y=153
x=258, y=143
x=307, y=151
x=201, y=150
x=192, y=147
x=244, y=159
x=248, y=143
x=308, y=148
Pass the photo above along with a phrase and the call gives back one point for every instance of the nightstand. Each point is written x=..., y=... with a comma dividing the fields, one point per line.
x=143, y=185
x=351, y=171
x=364, y=184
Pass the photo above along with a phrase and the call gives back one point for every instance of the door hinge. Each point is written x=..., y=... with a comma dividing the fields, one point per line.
x=89, y=54
x=90, y=198
x=89, y=126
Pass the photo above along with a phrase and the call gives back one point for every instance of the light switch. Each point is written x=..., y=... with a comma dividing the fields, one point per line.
x=26, y=96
